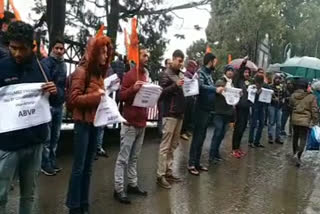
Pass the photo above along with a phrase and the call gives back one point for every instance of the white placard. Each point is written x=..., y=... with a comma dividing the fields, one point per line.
x=23, y=106
x=232, y=95
x=252, y=90
x=190, y=86
x=147, y=96
x=266, y=95
x=107, y=113
x=112, y=83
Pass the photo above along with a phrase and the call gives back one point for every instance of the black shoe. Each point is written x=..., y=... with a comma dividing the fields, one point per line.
x=48, y=171
x=136, y=190
x=57, y=169
x=121, y=197
x=259, y=145
x=279, y=141
x=75, y=211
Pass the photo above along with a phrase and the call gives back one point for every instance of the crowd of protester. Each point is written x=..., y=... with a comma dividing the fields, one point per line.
x=23, y=153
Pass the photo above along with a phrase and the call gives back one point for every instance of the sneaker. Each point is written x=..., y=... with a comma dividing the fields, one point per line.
x=279, y=141
x=136, y=190
x=184, y=136
x=171, y=178
x=236, y=154
x=270, y=140
x=101, y=152
x=57, y=169
x=48, y=171
x=162, y=182
x=121, y=197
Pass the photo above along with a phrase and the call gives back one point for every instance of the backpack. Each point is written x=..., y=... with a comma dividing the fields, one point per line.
x=69, y=104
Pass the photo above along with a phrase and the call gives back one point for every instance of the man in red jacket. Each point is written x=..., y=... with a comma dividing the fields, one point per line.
x=132, y=132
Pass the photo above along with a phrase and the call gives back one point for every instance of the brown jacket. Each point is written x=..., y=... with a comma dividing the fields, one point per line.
x=304, y=109
x=85, y=100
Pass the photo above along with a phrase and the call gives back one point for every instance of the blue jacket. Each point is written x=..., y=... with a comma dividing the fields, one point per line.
x=58, y=73
x=13, y=73
x=207, y=90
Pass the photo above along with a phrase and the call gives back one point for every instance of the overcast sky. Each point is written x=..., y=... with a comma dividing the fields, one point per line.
x=190, y=17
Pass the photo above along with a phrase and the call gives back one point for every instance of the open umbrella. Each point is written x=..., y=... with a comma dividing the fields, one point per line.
x=236, y=63
x=308, y=67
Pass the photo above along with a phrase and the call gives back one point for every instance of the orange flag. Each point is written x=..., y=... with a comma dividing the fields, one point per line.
x=100, y=31
x=1, y=9
x=134, y=45
x=208, y=50
x=229, y=58
x=16, y=12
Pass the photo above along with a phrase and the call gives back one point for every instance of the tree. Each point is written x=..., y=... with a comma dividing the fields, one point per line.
x=197, y=50
x=238, y=26
x=81, y=16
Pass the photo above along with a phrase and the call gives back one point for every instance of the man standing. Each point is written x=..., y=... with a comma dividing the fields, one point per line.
x=173, y=101
x=167, y=64
x=58, y=71
x=204, y=107
x=275, y=111
x=20, y=151
x=132, y=132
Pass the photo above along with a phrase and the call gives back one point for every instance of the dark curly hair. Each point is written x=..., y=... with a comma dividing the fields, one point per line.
x=21, y=32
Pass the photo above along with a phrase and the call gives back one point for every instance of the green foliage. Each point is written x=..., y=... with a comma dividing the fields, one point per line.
x=238, y=26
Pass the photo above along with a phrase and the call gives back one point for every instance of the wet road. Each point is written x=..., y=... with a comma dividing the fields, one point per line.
x=263, y=182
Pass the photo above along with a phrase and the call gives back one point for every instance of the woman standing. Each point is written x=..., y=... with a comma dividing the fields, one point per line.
x=86, y=90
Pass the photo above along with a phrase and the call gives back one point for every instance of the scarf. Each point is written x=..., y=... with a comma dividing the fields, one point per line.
x=229, y=82
x=58, y=58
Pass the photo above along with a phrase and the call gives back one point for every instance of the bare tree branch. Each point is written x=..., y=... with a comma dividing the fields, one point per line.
x=169, y=9
x=130, y=13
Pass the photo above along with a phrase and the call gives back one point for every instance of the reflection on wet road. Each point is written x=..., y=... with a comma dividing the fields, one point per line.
x=263, y=182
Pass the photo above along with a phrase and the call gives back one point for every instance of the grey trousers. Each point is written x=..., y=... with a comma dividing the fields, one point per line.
x=131, y=140
x=26, y=164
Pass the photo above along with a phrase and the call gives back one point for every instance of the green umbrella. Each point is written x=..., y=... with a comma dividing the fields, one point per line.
x=308, y=67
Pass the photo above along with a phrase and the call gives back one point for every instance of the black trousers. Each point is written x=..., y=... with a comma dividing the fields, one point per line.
x=188, y=120
x=299, y=140
x=242, y=116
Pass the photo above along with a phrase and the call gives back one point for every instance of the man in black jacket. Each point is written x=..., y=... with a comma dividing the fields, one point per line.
x=203, y=109
x=173, y=103
x=58, y=71
x=20, y=151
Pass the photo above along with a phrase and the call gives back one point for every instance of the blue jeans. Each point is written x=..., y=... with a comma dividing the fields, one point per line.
x=100, y=136
x=256, y=125
x=26, y=164
x=199, y=135
x=50, y=147
x=220, y=123
x=85, y=147
x=274, y=125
